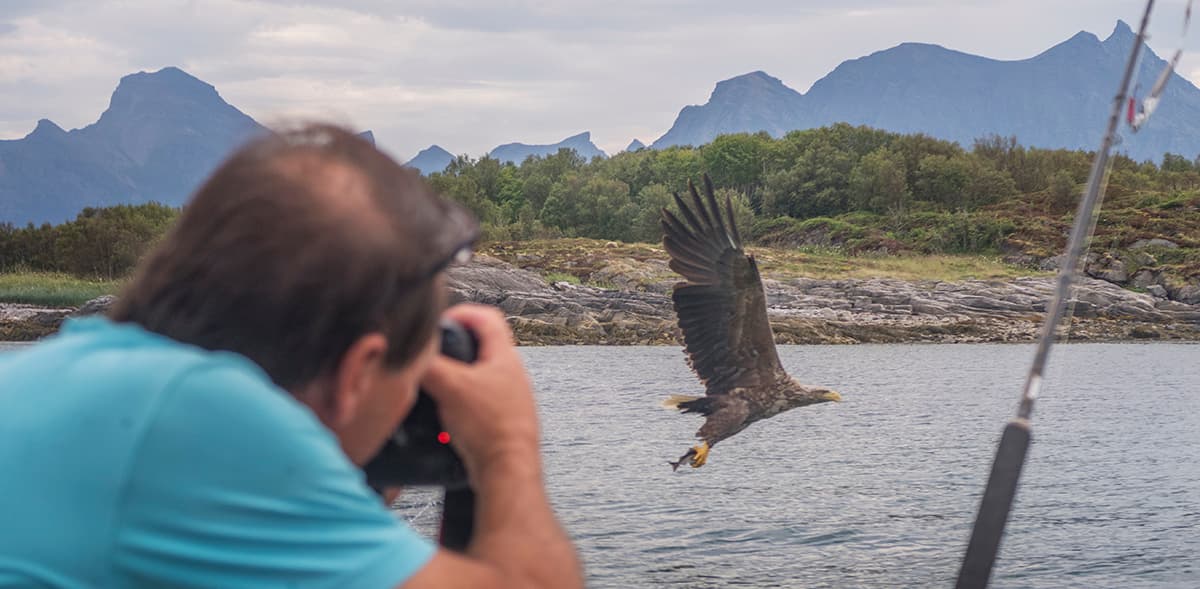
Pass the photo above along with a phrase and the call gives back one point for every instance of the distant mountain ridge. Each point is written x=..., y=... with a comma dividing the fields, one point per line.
x=1059, y=98
x=517, y=152
x=431, y=159
x=435, y=158
x=162, y=134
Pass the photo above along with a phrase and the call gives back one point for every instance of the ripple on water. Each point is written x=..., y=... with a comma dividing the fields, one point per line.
x=880, y=490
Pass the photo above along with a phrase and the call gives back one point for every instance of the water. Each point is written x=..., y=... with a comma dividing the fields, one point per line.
x=880, y=490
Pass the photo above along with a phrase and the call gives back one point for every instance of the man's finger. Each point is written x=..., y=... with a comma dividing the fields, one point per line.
x=487, y=324
x=443, y=375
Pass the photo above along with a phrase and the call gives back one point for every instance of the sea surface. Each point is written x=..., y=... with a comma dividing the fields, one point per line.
x=881, y=489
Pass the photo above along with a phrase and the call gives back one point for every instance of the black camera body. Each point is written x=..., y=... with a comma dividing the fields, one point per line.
x=419, y=452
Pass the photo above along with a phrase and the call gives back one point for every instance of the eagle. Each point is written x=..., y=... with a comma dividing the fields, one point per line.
x=722, y=314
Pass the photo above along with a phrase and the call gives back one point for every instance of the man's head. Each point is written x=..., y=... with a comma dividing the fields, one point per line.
x=318, y=258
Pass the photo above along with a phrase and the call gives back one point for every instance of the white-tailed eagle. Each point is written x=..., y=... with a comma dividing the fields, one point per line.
x=722, y=312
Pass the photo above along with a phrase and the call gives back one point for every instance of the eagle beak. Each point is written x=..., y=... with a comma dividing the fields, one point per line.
x=832, y=396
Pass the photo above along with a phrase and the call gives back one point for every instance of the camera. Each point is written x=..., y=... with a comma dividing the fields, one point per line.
x=419, y=452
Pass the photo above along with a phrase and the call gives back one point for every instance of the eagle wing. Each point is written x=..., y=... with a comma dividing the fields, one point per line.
x=721, y=307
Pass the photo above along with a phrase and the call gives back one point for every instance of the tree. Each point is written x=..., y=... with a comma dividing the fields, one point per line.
x=650, y=201
x=674, y=166
x=1063, y=195
x=1176, y=163
x=816, y=185
x=878, y=183
x=737, y=161
x=942, y=179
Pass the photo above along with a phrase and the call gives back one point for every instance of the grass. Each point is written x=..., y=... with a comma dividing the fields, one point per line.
x=553, y=277
x=576, y=258
x=52, y=290
x=829, y=264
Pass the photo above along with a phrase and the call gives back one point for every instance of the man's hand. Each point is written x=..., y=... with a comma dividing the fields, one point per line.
x=487, y=406
x=489, y=411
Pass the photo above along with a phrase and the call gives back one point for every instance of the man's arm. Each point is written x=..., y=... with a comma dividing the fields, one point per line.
x=489, y=410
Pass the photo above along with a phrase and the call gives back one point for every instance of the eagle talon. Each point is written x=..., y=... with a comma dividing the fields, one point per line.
x=697, y=454
x=700, y=455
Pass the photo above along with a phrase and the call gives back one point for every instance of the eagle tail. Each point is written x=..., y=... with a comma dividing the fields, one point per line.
x=690, y=404
x=676, y=401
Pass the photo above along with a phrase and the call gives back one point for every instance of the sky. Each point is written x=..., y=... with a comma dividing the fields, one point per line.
x=470, y=75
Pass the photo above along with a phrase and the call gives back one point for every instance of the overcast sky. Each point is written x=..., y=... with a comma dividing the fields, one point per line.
x=471, y=74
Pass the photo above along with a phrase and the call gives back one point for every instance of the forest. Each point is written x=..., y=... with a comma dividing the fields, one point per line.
x=855, y=188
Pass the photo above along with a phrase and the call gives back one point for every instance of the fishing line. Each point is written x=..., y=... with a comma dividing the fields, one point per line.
x=1136, y=120
x=1000, y=492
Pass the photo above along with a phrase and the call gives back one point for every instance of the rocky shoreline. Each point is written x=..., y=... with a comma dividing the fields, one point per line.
x=634, y=308
x=811, y=311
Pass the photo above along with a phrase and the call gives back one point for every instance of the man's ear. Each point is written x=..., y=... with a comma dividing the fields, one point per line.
x=357, y=372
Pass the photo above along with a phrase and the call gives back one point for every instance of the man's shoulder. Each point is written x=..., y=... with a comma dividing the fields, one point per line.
x=97, y=353
x=122, y=373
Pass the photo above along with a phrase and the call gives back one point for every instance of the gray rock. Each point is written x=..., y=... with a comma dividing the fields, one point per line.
x=1188, y=294
x=1144, y=259
x=95, y=306
x=1107, y=267
x=493, y=276
x=1144, y=278
x=803, y=310
x=1156, y=242
x=1051, y=263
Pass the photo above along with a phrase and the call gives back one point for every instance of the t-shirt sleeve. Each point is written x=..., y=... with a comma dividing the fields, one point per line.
x=237, y=485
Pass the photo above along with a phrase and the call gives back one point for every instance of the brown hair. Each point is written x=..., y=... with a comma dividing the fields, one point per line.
x=297, y=245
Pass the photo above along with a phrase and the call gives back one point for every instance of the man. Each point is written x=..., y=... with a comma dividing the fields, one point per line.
x=209, y=431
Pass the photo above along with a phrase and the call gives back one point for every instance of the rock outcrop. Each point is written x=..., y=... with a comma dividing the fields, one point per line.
x=634, y=307
x=637, y=308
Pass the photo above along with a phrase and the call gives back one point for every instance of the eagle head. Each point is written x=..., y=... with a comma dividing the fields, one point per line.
x=824, y=395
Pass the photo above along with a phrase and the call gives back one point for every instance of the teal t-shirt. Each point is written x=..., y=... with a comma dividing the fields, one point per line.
x=130, y=460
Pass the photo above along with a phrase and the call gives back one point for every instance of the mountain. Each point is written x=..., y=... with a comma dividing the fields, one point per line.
x=161, y=135
x=749, y=102
x=635, y=145
x=1060, y=98
x=517, y=152
x=431, y=159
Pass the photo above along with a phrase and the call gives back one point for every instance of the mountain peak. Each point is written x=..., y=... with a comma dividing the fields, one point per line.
x=161, y=136
x=751, y=102
x=635, y=145
x=168, y=80
x=46, y=128
x=435, y=148
x=1082, y=38
x=752, y=80
x=517, y=152
x=431, y=159
x=1122, y=33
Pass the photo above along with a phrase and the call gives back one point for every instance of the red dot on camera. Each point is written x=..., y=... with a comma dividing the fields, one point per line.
x=444, y=437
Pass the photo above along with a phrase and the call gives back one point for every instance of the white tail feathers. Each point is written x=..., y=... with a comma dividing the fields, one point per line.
x=673, y=401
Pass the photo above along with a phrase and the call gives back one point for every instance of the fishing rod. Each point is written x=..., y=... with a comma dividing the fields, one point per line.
x=1001, y=490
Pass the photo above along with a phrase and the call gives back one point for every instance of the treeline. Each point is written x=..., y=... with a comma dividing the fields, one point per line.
x=846, y=186
x=98, y=243
x=777, y=183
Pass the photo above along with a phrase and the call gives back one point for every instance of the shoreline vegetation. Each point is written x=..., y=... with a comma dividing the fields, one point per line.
x=592, y=292
x=862, y=235
x=49, y=289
